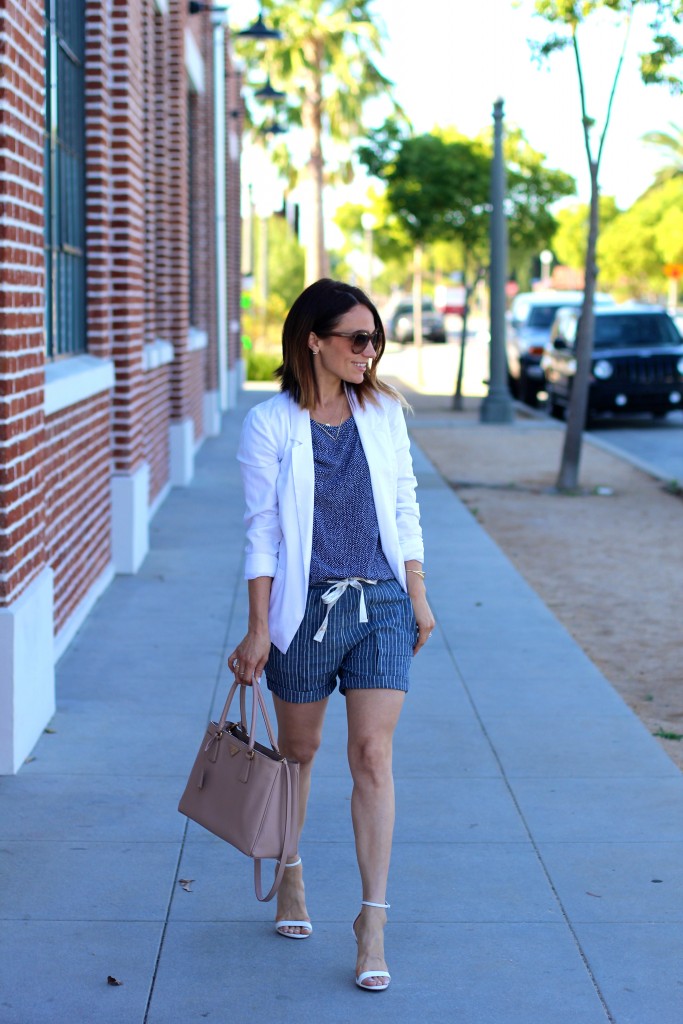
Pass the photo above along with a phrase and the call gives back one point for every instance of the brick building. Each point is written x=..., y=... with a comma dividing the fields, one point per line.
x=119, y=304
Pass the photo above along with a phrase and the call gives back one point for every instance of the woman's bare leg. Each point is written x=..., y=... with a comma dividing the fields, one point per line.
x=372, y=718
x=300, y=729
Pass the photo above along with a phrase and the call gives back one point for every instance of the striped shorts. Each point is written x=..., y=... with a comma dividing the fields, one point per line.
x=376, y=654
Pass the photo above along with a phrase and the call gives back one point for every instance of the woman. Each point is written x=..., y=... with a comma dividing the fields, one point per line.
x=336, y=587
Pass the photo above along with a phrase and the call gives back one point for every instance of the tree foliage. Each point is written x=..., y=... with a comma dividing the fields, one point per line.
x=326, y=64
x=670, y=147
x=566, y=18
x=438, y=190
x=638, y=243
x=570, y=240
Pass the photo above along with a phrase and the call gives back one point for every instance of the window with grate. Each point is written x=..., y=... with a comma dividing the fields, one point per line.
x=65, y=298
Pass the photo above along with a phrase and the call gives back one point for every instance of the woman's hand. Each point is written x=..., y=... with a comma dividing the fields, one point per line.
x=424, y=616
x=250, y=656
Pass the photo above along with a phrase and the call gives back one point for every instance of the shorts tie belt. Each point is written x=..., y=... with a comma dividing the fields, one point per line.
x=332, y=595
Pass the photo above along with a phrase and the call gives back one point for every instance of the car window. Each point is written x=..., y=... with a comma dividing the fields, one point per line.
x=635, y=330
x=542, y=316
x=407, y=307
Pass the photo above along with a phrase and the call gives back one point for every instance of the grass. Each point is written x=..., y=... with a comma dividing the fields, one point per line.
x=662, y=734
x=262, y=365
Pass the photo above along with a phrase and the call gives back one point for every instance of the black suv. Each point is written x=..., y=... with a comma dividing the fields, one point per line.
x=529, y=323
x=637, y=361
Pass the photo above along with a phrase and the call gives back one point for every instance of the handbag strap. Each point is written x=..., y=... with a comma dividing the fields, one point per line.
x=285, y=845
x=258, y=700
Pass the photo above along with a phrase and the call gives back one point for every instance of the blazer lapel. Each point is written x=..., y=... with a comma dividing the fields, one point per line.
x=303, y=475
x=375, y=437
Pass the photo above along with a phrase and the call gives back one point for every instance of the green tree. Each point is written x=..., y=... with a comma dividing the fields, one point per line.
x=278, y=279
x=326, y=64
x=438, y=186
x=636, y=246
x=532, y=190
x=566, y=18
x=391, y=245
x=437, y=190
x=570, y=240
x=670, y=146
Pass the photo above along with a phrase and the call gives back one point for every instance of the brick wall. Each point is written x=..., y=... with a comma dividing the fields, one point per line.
x=202, y=271
x=54, y=500
x=235, y=122
x=22, y=346
x=178, y=208
x=77, y=494
x=127, y=229
x=156, y=429
x=98, y=178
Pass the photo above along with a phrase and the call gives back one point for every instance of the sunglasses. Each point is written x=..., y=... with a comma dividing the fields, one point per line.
x=359, y=339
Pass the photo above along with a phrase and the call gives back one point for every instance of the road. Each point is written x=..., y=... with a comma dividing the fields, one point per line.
x=656, y=444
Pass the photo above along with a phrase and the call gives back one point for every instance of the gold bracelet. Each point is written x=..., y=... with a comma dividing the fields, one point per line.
x=418, y=572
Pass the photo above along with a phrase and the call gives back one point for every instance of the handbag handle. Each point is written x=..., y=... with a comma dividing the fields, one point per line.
x=258, y=701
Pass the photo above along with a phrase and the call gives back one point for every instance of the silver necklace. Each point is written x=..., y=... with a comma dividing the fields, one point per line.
x=327, y=428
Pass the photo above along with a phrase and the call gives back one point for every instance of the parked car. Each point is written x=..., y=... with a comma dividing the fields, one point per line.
x=401, y=327
x=637, y=361
x=530, y=319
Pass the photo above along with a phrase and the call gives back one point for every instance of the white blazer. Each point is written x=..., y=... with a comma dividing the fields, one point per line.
x=276, y=457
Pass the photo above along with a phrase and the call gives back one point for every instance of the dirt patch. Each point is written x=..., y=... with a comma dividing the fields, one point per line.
x=608, y=562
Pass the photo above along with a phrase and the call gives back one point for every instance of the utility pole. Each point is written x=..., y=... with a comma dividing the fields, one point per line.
x=497, y=407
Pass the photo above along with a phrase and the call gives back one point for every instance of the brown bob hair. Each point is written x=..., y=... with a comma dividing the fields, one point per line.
x=319, y=309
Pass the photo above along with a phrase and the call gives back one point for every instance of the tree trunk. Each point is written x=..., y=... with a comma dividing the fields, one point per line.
x=417, y=295
x=568, y=477
x=417, y=309
x=458, y=403
x=312, y=120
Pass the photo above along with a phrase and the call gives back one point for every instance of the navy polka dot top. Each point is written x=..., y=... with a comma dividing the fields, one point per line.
x=345, y=530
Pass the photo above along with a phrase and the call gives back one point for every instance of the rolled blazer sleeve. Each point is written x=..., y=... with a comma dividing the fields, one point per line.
x=260, y=467
x=407, y=508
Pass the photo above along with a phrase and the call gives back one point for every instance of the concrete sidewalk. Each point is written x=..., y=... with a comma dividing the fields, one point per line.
x=537, y=875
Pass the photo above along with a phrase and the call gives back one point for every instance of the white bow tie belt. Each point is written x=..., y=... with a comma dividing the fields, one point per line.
x=332, y=595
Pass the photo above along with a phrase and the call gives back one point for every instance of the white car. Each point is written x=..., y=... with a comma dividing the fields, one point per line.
x=529, y=321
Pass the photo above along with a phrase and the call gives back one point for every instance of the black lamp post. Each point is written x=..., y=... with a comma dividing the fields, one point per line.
x=259, y=30
x=267, y=92
x=497, y=407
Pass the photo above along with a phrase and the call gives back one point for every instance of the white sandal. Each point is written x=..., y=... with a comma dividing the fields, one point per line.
x=279, y=925
x=364, y=975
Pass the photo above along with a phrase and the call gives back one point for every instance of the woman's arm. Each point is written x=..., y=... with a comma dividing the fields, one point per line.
x=407, y=508
x=259, y=459
x=417, y=592
x=250, y=656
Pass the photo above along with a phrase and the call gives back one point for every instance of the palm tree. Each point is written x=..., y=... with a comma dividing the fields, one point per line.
x=670, y=146
x=325, y=63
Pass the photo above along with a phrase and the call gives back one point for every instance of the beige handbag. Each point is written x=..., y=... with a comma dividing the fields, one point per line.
x=246, y=793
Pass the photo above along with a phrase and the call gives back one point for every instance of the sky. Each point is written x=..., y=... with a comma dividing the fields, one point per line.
x=450, y=59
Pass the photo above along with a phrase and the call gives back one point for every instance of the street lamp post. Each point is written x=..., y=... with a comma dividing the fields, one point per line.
x=546, y=258
x=497, y=407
